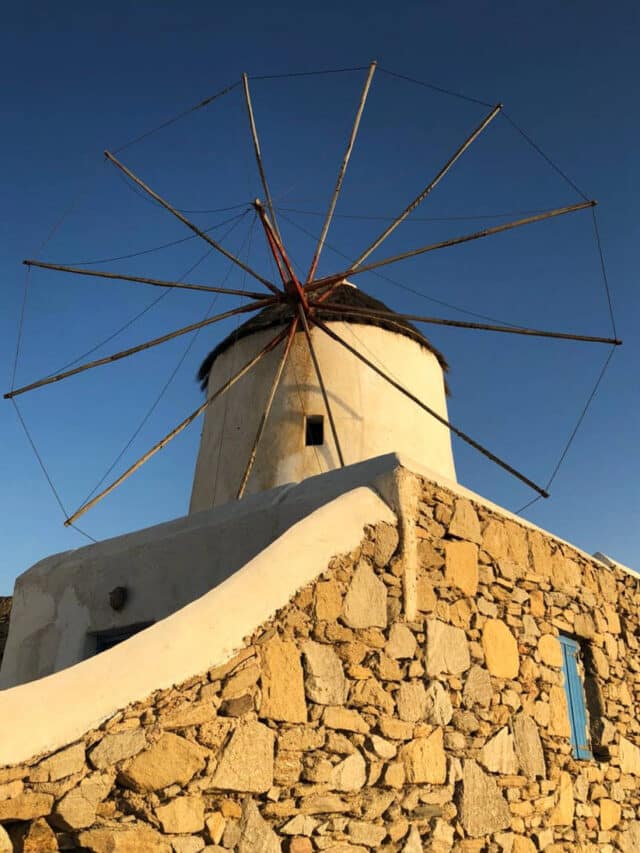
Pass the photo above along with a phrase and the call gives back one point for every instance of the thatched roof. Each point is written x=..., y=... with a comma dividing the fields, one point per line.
x=345, y=294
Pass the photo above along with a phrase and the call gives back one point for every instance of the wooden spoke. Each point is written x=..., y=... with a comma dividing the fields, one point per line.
x=323, y=389
x=258, y=153
x=466, y=438
x=243, y=309
x=178, y=429
x=341, y=173
x=425, y=192
x=290, y=280
x=189, y=224
x=265, y=415
x=456, y=241
x=462, y=324
x=136, y=278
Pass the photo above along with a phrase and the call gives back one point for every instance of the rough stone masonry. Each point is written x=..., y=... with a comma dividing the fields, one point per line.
x=343, y=727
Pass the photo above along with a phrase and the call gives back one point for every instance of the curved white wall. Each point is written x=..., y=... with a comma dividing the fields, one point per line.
x=372, y=417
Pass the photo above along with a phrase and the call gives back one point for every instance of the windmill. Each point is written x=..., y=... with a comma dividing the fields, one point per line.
x=307, y=305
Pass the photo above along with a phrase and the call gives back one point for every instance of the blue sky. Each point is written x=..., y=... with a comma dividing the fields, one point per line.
x=83, y=77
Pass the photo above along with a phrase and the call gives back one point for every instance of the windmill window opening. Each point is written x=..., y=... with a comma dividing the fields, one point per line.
x=314, y=430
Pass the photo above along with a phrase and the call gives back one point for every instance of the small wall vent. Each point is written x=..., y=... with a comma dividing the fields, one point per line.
x=314, y=430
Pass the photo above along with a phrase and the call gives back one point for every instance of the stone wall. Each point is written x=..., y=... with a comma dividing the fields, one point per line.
x=5, y=615
x=344, y=727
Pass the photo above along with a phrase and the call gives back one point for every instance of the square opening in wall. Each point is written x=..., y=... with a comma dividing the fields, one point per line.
x=314, y=430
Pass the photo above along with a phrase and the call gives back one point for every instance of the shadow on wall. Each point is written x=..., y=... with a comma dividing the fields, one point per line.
x=5, y=615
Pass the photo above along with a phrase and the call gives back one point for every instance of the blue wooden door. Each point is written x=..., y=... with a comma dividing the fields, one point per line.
x=575, y=698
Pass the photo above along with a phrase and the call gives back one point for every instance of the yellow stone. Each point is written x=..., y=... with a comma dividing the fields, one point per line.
x=558, y=713
x=494, y=540
x=550, y=650
x=500, y=649
x=540, y=553
x=461, y=566
x=610, y=814
x=536, y=603
x=522, y=844
x=518, y=545
x=562, y=815
x=328, y=601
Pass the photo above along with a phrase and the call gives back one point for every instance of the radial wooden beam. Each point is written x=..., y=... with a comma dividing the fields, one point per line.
x=157, y=282
x=377, y=314
x=258, y=153
x=455, y=241
x=466, y=438
x=342, y=172
x=325, y=396
x=189, y=224
x=431, y=186
x=243, y=309
x=291, y=282
x=265, y=415
x=178, y=429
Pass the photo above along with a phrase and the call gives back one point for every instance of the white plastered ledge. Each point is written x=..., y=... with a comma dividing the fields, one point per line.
x=51, y=712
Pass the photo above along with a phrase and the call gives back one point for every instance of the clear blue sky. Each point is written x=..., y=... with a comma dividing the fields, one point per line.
x=81, y=77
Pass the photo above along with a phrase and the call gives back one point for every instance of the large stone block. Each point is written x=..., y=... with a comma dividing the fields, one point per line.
x=477, y=688
x=117, y=747
x=64, y=763
x=562, y=813
x=77, y=809
x=500, y=649
x=528, y=747
x=182, y=815
x=447, y=649
x=411, y=699
x=171, y=760
x=629, y=755
x=483, y=809
x=439, y=709
x=26, y=806
x=498, y=754
x=559, y=723
x=350, y=774
x=550, y=650
x=401, y=643
x=424, y=759
x=325, y=682
x=461, y=566
x=127, y=838
x=247, y=761
x=282, y=682
x=464, y=523
x=365, y=604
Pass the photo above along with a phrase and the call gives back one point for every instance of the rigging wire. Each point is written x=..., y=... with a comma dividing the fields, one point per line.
x=308, y=73
x=400, y=284
x=546, y=157
x=177, y=117
x=157, y=248
x=126, y=180
x=226, y=396
x=365, y=217
x=169, y=380
x=25, y=291
x=149, y=306
x=435, y=88
x=44, y=470
x=574, y=432
x=605, y=278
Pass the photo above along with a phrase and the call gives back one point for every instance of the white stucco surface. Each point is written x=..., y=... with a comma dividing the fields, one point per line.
x=372, y=418
x=48, y=713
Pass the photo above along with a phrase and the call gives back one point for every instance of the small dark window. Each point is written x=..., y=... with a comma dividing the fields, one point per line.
x=314, y=430
x=104, y=640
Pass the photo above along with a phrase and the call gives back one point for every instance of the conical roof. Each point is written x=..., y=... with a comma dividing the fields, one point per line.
x=345, y=294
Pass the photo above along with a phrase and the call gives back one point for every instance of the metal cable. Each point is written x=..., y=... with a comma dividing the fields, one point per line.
x=177, y=117
x=548, y=159
x=308, y=73
x=168, y=382
x=604, y=272
x=226, y=396
x=25, y=291
x=399, y=284
x=435, y=88
x=156, y=248
x=149, y=306
x=43, y=468
x=575, y=429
